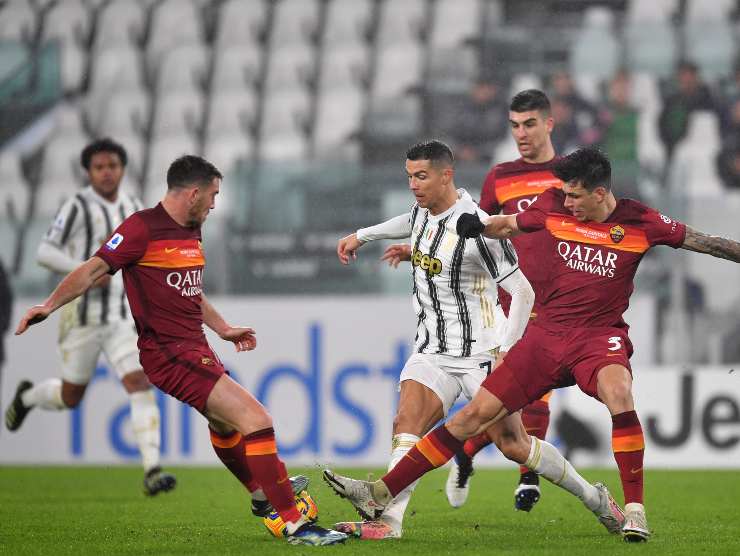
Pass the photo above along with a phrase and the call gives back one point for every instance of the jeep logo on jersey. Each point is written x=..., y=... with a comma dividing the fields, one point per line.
x=188, y=282
x=114, y=242
x=588, y=259
x=616, y=233
x=425, y=262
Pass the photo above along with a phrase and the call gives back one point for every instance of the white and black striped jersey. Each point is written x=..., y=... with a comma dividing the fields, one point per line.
x=454, y=279
x=82, y=224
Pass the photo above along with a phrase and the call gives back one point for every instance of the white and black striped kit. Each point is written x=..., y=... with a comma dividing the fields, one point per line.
x=455, y=297
x=83, y=223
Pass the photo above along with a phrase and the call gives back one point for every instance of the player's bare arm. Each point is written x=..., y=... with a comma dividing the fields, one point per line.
x=716, y=246
x=74, y=285
x=243, y=337
x=497, y=226
x=347, y=248
x=396, y=253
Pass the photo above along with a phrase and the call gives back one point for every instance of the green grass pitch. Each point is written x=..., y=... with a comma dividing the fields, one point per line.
x=93, y=510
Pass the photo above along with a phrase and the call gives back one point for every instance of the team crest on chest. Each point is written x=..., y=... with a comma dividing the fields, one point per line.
x=616, y=233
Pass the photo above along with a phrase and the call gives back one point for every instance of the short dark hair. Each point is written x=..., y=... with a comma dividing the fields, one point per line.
x=105, y=145
x=587, y=166
x=191, y=170
x=530, y=99
x=433, y=150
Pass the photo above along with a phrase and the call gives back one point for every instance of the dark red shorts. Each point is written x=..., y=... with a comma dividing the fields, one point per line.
x=556, y=357
x=187, y=375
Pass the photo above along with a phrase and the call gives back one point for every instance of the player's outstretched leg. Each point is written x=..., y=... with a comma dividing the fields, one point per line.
x=614, y=388
x=17, y=410
x=228, y=402
x=536, y=419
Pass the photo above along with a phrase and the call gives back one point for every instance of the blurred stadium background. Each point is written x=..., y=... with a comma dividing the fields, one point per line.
x=308, y=107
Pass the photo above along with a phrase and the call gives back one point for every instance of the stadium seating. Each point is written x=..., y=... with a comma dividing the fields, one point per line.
x=177, y=113
x=347, y=23
x=455, y=21
x=17, y=21
x=595, y=50
x=61, y=175
x=120, y=23
x=15, y=195
x=173, y=23
x=161, y=154
x=241, y=23
x=237, y=67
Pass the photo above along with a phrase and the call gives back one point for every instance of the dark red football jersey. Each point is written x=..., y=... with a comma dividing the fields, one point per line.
x=593, y=264
x=162, y=266
x=510, y=188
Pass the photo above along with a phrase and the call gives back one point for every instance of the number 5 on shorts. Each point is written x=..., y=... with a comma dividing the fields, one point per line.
x=616, y=343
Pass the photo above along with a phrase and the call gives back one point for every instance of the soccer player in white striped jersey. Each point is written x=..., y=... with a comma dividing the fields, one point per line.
x=460, y=331
x=460, y=337
x=100, y=320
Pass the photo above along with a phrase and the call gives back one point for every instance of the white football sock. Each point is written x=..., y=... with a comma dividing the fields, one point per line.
x=145, y=422
x=545, y=460
x=46, y=395
x=393, y=514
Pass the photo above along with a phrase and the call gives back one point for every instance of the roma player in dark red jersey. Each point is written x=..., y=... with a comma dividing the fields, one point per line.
x=510, y=188
x=160, y=253
x=595, y=244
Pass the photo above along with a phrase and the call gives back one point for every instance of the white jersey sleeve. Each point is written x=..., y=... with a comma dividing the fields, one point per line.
x=53, y=252
x=398, y=227
x=66, y=224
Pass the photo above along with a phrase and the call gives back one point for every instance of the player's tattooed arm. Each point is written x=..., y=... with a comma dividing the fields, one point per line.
x=716, y=246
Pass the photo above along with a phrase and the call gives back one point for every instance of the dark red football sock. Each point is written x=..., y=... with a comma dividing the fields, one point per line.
x=475, y=444
x=434, y=450
x=230, y=450
x=628, y=445
x=270, y=473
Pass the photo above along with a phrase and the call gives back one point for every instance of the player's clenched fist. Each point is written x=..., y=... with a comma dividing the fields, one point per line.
x=469, y=225
x=347, y=247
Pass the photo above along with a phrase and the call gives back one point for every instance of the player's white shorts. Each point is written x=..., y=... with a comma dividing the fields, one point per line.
x=448, y=376
x=80, y=348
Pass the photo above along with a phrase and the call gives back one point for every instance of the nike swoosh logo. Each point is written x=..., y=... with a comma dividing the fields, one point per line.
x=634, y=471
x=564, y=223
x=612, y=354
x=168, y=250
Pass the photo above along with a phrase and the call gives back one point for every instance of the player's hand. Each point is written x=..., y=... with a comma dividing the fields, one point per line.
x=469, y=225
x=34, y=315
x=102, y=282
x=396, y=253
x=347, y=247
x=242, y=337
x=500, y=358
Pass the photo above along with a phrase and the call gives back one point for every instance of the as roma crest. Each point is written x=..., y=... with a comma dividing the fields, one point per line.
x=617, y=233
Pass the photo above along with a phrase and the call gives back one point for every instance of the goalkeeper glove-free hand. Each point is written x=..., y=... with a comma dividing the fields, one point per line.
x=469, y=225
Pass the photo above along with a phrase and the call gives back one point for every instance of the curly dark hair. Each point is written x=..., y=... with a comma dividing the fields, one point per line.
x=588, y=166
x=105, y=145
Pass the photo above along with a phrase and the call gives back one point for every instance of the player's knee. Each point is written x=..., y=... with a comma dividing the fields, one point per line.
x=257, y=422
x=135, y=382
x=72, y=398
x=617, y=392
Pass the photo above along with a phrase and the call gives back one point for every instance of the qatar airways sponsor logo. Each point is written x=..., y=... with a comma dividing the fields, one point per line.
x=588, y=259
x=189, y=282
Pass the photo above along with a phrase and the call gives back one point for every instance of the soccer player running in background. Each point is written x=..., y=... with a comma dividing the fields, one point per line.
x=458, y=337
x=160, y=253
x=509, y=188
x=100, y=320
x=595, y=245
